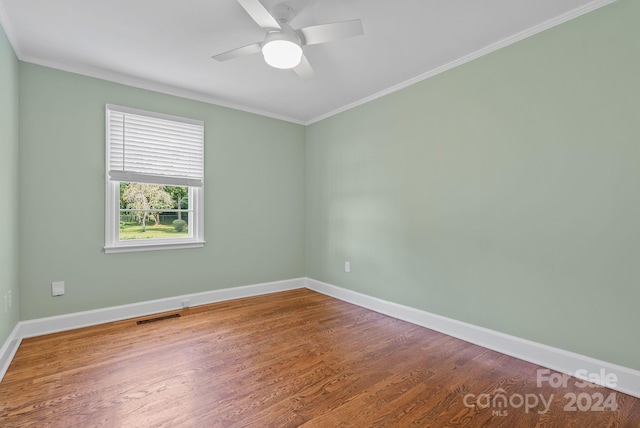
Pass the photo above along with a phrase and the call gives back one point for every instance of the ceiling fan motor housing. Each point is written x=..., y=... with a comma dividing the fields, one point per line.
x=282, y=13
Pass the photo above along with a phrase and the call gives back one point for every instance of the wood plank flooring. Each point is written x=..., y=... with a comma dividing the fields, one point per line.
x=296, y=358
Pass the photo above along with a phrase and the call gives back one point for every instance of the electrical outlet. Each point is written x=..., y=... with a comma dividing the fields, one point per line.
x=57, y=288
x=186, y=303
x=347, y=266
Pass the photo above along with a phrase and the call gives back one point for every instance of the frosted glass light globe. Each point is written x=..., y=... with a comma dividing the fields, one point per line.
x=282, y=54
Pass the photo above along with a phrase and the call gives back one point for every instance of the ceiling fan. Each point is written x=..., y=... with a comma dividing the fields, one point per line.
x=282, y=45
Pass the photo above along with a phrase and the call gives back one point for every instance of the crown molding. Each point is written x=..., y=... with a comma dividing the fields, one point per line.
x=149, y=85
x=575, y=13
x=197, y=96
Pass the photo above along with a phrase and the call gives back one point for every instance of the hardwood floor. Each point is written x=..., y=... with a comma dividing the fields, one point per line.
x=296, y=358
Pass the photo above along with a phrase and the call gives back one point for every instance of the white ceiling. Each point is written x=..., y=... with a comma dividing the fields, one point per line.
x=167, y=45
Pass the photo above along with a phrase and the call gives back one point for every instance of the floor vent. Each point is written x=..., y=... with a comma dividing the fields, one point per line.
x=162, y=318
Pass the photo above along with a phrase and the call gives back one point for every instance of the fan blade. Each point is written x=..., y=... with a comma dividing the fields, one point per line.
x=328, y=32
x=304, y=70
x=235, y=53
x=257, y=11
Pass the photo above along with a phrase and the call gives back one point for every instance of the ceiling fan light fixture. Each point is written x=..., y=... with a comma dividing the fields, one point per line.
x=280, y=52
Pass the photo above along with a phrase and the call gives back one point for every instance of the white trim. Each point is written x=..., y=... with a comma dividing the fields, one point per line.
x=113, y=244
x=154, y=114
x=547, y=356
x=135, y=82
x=536, y=353
x=8, y=350
x=40, y=326
x=561, y=19
x=152, y=246
x=54, y=324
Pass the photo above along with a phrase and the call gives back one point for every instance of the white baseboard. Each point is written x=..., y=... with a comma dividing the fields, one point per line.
x=8, y=350
x=41, y=326
x=628, y=380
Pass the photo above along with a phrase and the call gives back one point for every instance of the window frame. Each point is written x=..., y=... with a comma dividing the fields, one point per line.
x=113, y=244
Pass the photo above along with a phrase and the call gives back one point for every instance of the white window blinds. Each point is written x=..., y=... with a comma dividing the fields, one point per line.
x=154, y=148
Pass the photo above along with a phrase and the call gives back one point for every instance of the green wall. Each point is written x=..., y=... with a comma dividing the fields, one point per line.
x=254, y=199
x=503, y=193
x=9, y=185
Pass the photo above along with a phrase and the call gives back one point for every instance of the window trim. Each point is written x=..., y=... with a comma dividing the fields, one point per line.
x=113, y=244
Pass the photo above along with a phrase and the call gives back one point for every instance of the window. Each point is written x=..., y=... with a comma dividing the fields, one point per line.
x=155, y=179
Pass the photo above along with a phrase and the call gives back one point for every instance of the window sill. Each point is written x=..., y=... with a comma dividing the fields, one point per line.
x=155, y=246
